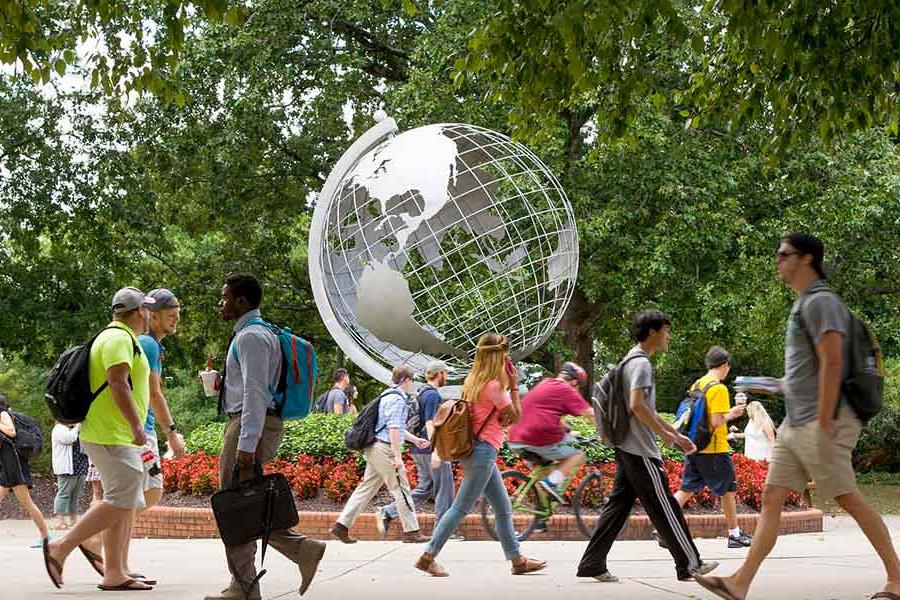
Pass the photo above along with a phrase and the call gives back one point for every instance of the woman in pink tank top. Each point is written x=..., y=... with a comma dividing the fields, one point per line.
x=491, y=390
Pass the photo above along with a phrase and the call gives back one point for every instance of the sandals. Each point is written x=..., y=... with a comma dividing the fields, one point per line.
x=95, y=560
x=49, y=562
x=529, y=565
x=142, y=578
x=126, y=586
x=885, y=596
x=426, y=563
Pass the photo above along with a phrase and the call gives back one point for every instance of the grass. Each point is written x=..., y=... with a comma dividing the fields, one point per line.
x=882, y=492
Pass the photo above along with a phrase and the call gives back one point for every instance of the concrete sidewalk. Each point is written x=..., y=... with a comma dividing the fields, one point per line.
x=836, y=565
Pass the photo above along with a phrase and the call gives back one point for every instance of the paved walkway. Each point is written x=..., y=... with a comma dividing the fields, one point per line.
x=835, y=565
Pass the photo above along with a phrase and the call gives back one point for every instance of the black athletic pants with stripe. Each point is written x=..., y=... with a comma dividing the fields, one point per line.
x=642, y=478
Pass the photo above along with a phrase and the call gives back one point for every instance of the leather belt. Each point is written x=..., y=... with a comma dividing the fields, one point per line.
x=270, y=412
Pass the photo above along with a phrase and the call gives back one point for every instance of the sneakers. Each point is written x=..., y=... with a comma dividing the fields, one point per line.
x=540, y=526
x=456, y=538
x=739, y=541
x=606, y=577
x=382, y=521
x=659, y=540
x=705, y=567
x=553, y=491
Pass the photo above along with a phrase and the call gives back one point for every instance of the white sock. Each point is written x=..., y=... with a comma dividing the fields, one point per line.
x=734, y=532
x=556, y=477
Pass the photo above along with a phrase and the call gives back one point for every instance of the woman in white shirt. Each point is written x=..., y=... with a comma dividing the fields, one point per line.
x=759, y=434
x=70, y=465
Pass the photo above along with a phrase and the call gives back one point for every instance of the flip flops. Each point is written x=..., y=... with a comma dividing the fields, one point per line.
x=94, y=559
x=885, y=596
x=142, y=578
x=125, y=586
x=716, y=585
x=49, y=562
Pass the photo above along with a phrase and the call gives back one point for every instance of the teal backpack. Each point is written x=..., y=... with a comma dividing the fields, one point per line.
x=299, y=367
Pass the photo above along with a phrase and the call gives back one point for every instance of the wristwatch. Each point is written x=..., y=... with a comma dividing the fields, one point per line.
x=172, y=428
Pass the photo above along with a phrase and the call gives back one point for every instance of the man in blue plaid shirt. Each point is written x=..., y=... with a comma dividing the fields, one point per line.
x=384, y=463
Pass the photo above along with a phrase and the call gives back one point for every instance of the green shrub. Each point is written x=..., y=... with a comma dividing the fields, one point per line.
x=319, y=435
x=879, y=445
x=206, y=439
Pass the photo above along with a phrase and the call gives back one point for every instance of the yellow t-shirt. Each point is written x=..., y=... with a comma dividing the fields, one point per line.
x=717, y=402
x=104, y=423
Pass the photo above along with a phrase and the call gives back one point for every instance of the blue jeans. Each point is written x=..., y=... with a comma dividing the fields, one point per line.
x=431, y=483
x=481, y=477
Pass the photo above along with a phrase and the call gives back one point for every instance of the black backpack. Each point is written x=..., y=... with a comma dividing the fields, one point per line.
x=610, y=402
x=68, y=392
x=361, y=434
x=863, y=387
x=29, y=440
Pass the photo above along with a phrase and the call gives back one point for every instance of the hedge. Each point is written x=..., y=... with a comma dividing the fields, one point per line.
x=322, y=435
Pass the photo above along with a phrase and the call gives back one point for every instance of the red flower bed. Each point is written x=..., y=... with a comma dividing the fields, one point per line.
x=198, y=474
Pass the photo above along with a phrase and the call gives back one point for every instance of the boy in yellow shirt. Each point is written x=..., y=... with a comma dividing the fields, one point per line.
x=712, y=466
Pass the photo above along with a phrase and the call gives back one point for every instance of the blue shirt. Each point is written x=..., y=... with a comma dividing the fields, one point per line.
x=153, y=350
x=429, y=401
x=391, y=414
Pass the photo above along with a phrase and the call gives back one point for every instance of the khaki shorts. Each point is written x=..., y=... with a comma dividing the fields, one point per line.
x=806, y=452
x=121, y=473
x=152, y=482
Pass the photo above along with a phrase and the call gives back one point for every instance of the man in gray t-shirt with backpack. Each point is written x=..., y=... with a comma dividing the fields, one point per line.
x=821, y=428
x=639, y=468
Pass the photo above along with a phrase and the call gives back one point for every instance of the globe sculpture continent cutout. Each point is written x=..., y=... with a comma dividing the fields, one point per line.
x=423, y=241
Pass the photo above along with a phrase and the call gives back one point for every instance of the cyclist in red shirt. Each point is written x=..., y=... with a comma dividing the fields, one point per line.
x=542, y=429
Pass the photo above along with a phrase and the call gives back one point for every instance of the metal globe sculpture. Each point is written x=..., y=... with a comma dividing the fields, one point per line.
x=422, y=241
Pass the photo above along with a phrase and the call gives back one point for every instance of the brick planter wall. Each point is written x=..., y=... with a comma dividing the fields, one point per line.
x=170, y=522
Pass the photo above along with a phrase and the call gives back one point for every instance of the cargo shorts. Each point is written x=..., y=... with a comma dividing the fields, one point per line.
x=805, y=453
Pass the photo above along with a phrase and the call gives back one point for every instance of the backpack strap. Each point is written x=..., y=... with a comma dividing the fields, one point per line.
x=801, y=321
x=136, y=351
x=381, y=396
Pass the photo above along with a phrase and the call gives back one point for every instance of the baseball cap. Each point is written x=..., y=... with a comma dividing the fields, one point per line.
x=162, y=299
x=129, y=298
x=573, y=372
x=716, y=357
x=435, y=367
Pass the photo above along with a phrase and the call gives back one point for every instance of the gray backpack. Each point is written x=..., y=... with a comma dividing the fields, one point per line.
x=863, y=387
x=610, y=401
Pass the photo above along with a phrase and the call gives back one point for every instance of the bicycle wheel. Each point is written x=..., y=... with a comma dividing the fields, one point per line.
x=588, y=501
x=525, y=506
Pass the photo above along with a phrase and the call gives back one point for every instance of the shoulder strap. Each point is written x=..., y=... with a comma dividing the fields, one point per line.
x=381, y=397
x=136, y=351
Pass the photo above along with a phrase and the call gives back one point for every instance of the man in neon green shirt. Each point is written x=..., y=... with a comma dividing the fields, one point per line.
x=112, y=435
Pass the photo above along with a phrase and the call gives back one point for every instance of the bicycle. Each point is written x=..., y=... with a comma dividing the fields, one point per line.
x=530, y=498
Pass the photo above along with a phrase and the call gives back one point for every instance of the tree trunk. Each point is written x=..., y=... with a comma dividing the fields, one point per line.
x=577, y=322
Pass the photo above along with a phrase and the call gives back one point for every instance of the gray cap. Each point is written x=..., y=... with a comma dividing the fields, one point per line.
x=435, y=367
x=160, y=299
x=129, y=298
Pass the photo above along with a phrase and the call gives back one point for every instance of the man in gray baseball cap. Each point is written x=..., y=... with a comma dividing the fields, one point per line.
x=113, y=436
x=128, y=299
x=435, y=476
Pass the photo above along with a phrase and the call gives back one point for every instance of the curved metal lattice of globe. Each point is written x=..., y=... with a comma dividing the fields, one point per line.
x=423, y=241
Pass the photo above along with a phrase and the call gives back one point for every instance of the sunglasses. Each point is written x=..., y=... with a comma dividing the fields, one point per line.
x=783, y=254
